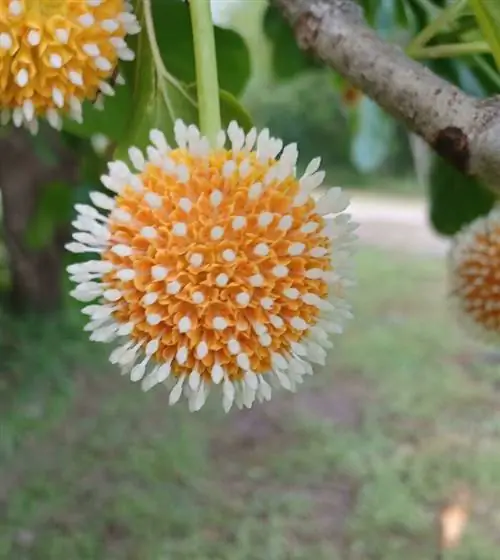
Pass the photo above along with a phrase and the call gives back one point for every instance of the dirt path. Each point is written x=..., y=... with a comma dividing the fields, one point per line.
x=398, y=223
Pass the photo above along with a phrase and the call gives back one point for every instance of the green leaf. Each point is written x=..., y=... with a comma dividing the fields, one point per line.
x=53, y=210
x=486, y=73
x=405, y=16
x=159, y=100
x=447, y=68
x=460, y=74
x=369, y=10
x=157, y=103
x=487, y=14
x=373, y=138
x=175, y=41
x=455, y=199
x=231, y=109
x=476, y=75
x=469, y=82
x=110, y=121
x=288, y=59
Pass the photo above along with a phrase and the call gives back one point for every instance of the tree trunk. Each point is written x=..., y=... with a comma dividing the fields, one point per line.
x=36, y=274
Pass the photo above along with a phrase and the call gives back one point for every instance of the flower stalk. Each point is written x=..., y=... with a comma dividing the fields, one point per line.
x=206, y=69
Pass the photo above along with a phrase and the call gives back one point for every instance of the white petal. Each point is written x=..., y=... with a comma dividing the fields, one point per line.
x=176, y=392
x=217, y=373
x=164, y=372
x=283, y=379
x=228, y=391
x=102, y=201
x=310, y=182
x=194, y=380
x=264, y=389
x=332, y=202
x=313, y=166
x=198, y=398
x=252, y=380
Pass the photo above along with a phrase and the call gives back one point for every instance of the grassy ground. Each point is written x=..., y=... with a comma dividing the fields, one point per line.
x=356, y=466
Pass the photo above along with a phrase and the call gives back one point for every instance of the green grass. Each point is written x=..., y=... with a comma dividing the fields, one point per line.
x=355, y=466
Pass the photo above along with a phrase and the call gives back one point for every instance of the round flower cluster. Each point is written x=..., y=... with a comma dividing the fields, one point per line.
x=474, y=272
x=55, y=54
x=217, y=267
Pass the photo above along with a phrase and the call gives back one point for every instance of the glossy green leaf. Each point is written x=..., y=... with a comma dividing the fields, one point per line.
x=53, y=210
x=288, y=59
x=455, y=199
x=175, y=41
x=487, y=14
x=373, y=137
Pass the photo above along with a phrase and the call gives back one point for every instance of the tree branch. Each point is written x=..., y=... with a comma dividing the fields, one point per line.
x=462, y=129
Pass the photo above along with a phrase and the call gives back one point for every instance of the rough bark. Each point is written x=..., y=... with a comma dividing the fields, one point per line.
x=36, y=274
x=462, y=129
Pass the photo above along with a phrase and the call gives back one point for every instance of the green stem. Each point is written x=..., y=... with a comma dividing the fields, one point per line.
x=488, y=27
x=159, y=67
x=153, y=43
x=447, y=16
x=449, y=51
x=207, y=82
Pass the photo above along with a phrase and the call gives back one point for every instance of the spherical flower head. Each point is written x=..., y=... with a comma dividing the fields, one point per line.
x=474, y=277
x=55, y=54
x=216, y=266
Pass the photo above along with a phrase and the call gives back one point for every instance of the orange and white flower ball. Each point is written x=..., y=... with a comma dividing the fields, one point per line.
x=55, y=54
x=216, y=267
x=474, y=276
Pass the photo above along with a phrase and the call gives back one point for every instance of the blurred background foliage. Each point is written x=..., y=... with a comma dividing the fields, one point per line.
x=266, y=80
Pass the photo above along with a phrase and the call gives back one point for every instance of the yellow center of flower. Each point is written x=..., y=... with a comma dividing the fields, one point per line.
x=54, y=54
x=46, y=8
x=223, y=268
